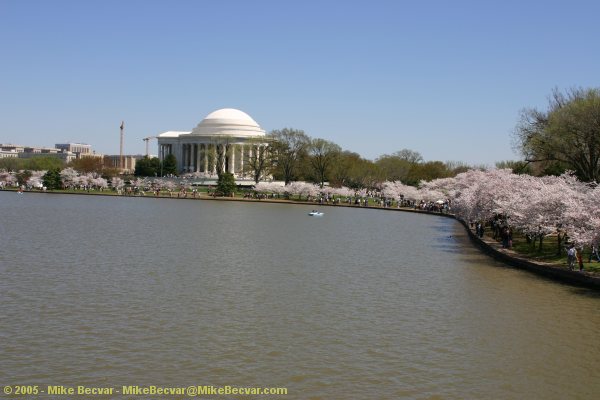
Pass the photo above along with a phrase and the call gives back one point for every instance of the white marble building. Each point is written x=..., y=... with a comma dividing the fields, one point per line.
x=226, y=136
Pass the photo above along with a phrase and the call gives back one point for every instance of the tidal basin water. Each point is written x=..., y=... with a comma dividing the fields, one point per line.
x=357, y=304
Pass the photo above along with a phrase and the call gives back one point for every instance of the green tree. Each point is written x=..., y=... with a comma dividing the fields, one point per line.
x=408, y=167
x=147, y=167
x=170, y=165
x=554, y=169
x=566, y=135
x=353, y=171
x=322, y=154
x=52, y=179
x=33, y=164
x=289, y=146
x=398, y=166
x=87, y=165
x=44, y=163
x=23, y=176
x=11, y=164
x=413, y=157
x=427, y=171
x=225, y=184
x=394, y=168
x=109, y=173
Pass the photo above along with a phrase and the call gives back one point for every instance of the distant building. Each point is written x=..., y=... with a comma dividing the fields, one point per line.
x=40, y=150
x=80, y=149
x=93, y=155
x=113, y=161
x=8, y=154
x=10, y=150
x=69, y=152
x=66, y=156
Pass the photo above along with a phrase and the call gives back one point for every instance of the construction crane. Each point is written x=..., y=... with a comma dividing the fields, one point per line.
x=147, y=139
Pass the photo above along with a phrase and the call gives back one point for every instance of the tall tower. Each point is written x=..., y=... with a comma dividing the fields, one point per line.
x=121, y=148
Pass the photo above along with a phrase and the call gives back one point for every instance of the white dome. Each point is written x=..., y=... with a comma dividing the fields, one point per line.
x=172, y=134
x=231, y=113
x=230, y=122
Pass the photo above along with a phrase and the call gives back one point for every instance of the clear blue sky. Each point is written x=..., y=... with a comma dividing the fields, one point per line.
x=445, y=78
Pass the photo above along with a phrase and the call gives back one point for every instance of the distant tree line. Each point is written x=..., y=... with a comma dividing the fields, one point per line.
x=298, y=157
x=564, y=137
x=13, y=164
x=291, y=155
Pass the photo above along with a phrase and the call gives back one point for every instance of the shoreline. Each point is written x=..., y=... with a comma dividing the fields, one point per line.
x=513, y=259
x=488, y=246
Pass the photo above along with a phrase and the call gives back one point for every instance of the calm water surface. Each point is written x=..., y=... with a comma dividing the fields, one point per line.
x=357, y=304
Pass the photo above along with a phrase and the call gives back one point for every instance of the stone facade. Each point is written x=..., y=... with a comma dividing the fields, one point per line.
x=222, y=141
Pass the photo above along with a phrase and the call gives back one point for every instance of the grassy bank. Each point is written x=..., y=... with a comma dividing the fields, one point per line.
x=548, y=253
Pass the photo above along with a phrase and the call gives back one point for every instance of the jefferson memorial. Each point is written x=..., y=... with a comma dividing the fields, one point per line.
x=226, y=136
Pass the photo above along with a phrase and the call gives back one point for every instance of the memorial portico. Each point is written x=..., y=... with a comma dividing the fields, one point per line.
x=226, y=136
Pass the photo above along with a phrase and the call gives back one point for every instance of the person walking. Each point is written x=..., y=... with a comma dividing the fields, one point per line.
x=579, y=256
x=594, y=254
x=571, y=255
x=504, y=235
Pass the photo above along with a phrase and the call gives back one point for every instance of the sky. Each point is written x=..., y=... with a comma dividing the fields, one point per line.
x=445, y=78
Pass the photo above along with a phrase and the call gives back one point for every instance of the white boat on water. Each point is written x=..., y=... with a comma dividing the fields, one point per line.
x=315, y=213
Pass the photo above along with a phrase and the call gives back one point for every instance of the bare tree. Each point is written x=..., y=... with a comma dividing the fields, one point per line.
x=411, y=156
x=322, y=155
x=259, y=160
x=400, y=164
x=289, y=146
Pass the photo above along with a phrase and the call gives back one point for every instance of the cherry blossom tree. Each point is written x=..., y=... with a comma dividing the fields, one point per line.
x=141, y=183
x=269, y=187
x=100, y=183
x=8, y=178
x=536, y=206
x=68, y=176
x=398, y=191
x=36, y=179
x=581, y=215
x=168, y=185
x=481, y=195
x=343, y=191
x=117, y=183
x=295, y=188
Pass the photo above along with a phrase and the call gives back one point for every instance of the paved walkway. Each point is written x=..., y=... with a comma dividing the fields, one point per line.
x=551, y=270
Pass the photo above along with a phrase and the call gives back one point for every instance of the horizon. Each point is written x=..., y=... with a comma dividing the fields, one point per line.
x=445, y=80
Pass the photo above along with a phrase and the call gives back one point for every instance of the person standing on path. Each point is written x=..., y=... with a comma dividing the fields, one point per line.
x=594, y=254
x=571, y=253
x=580, y=259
